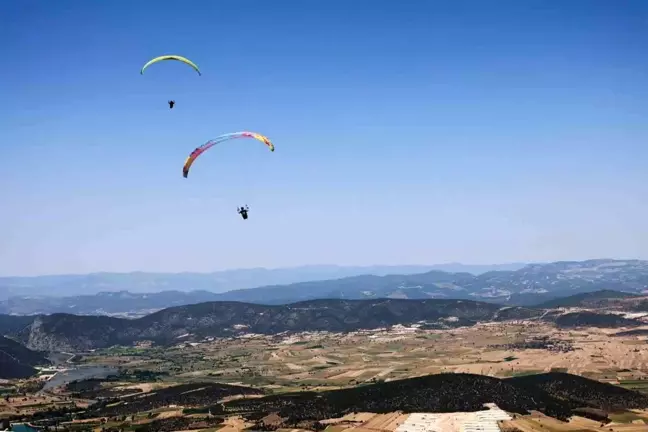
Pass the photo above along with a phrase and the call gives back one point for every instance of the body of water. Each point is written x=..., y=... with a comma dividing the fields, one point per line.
x=22, y=427
x=80, y=373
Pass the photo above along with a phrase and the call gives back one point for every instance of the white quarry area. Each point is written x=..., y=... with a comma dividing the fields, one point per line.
x=482, y=421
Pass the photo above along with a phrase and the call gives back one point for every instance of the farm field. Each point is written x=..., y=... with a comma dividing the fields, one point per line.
x=325, y=360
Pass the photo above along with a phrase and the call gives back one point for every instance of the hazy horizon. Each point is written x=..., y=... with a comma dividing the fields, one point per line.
x=410, y=132
x=298, y=267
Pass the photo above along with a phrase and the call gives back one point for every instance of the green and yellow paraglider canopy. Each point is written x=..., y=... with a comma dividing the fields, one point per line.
x=171, y=57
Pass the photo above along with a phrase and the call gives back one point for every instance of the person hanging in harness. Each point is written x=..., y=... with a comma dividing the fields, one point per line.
x=171, y=103
x=243, y=211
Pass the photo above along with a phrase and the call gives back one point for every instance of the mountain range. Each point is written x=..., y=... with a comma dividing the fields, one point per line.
x=221, y=281
x=73, y=333
x=66, y=332
x=525, y=286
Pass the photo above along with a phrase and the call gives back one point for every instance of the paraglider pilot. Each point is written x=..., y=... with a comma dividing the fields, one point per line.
x=171, y=103
x=243, y=211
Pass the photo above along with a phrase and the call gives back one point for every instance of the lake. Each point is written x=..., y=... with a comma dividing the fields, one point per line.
x=80, y=373
x=22, y=427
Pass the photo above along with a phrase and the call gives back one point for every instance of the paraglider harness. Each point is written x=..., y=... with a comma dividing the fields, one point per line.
x=171, y=103
x=243, y=211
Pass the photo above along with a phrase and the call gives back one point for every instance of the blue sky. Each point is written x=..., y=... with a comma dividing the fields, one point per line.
x=405, y=132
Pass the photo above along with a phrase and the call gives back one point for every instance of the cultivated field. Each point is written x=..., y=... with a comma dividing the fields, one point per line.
x=636, y=421
x=324, y=360
x=316, y=361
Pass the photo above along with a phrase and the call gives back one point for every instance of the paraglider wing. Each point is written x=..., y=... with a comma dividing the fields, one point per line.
x=262, y=138
x=194, y=154
x=209, y=144
x=171, y=57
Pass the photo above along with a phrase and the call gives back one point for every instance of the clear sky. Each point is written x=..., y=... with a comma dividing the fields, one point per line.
x=406, y=132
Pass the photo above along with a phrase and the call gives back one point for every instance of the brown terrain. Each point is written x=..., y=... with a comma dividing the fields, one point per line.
x=324, y=361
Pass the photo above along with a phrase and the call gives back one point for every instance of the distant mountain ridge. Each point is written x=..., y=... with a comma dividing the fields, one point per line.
x=121, y=303
x=70, y=333
x=529, y=285
x=221, y=281
x=526, y=286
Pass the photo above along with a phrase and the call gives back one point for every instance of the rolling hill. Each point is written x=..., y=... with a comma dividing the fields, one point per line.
x=594, y=319
x=17, y=361
x=559, y=395
x=67, y=332
x=596, y=299
x=555, y=394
